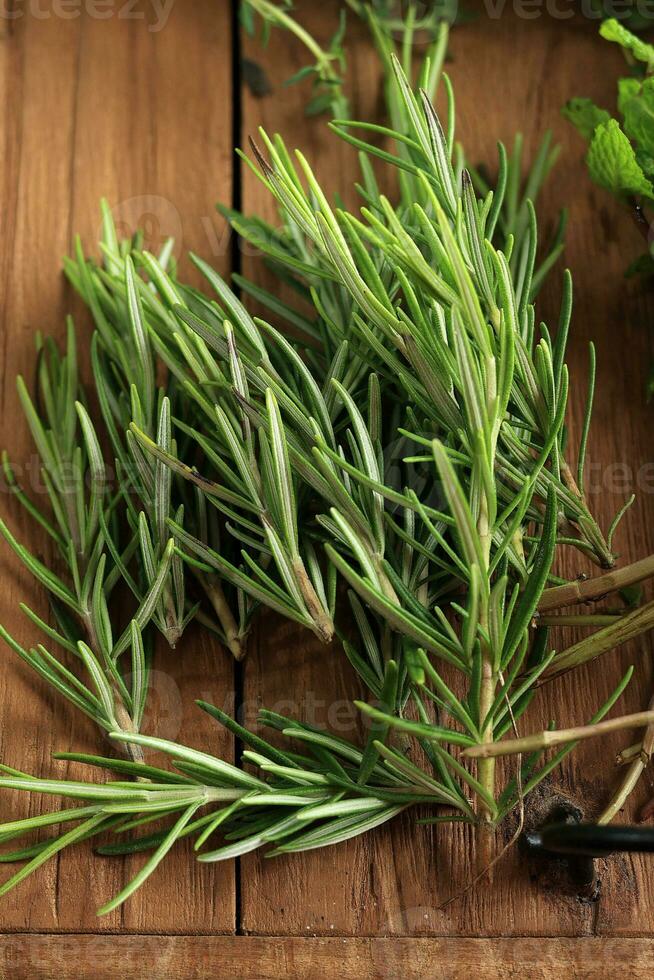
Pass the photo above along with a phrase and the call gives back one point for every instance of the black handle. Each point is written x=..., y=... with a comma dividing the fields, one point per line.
x=590, y=839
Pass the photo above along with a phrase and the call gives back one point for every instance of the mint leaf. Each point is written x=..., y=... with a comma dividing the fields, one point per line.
x=645, y=162
x=613, y=30
x=612, y=162
x=627, y=89
x=639, y=118
x=584, y=115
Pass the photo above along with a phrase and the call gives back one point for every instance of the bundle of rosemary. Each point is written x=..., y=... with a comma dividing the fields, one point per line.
x=262, y=468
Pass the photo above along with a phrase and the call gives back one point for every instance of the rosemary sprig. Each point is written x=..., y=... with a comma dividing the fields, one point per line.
x=325, y=71
x=124, y=376
x=80, y=526
x=490, y=401
x=296, y=803
x=288, y=442
x=123, y=360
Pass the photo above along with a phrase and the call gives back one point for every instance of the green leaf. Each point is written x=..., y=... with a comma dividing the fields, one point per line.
x=40, y=571
x=152, y=863
x=139, y=675
x=613, y=30
x=612, y=162
x=320, y=103
x=433, y=733
x=585, y=116
x=42, y=439
x=233, y=306
x=379, y=731
x=339, y=808
x=246, y=17
x=97, y=474
x=162, y=473
x=109, y=238
x=397, y=618
x=146, y=609
x=100, y=682
x=90, y=826
x=459, y=508
x=336, y=831
x=133, y=769
x=639, y=118
x=34, y=512
x=213, y=767
x=538, y=576
x=247, y=844
x=300, y=75
x=142, y=346
x=248, y=738
x=284, y=490
x=627, y=89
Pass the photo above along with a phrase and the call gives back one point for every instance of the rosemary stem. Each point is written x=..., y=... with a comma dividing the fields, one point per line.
x=126, y=724
x=121, y=714
x=278, y=16
x=629, y=754
x=275, y=15
x=590, y=590
x=549, y=739
x=625, y=628
x=322, y=622
x=216, y=595
x=173, y=629
x=633, y=774
x=486, y=766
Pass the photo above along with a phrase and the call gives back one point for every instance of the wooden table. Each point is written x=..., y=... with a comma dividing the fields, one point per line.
x=148, y=118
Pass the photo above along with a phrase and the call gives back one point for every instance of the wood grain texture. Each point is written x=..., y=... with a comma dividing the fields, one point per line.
x=42, y=957
x=508, y=74
x=103, y=107
x=107, y=107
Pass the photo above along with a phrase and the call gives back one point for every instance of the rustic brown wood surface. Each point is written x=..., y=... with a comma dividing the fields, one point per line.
x=43, y=957
x=102, y=107
x=110, y=107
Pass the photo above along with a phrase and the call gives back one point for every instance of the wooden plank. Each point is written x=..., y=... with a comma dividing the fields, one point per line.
x=105, y=107
x=133, y=122
x=43, y=957
x=396, y=880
